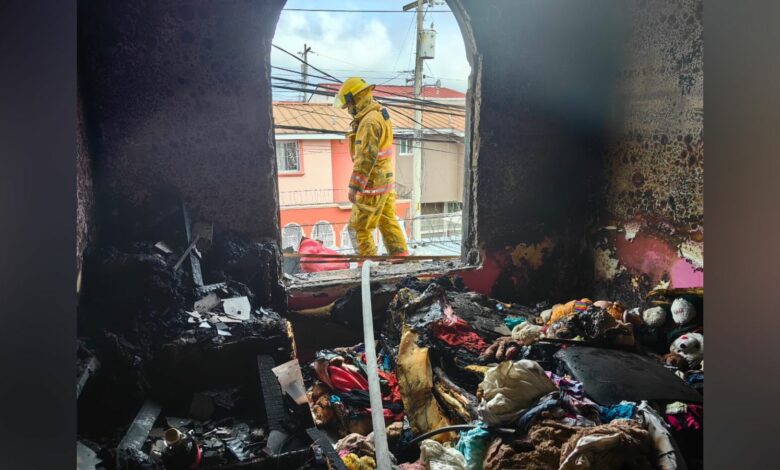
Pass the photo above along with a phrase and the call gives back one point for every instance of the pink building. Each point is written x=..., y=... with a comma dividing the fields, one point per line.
x=314, y=168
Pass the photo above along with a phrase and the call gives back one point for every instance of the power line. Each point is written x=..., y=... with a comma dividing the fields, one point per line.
x=329, y=80
x=389, y=72
x=303, y=61
x=337, y=60
x=406, y=36
x=380, y=100
x=406, y=99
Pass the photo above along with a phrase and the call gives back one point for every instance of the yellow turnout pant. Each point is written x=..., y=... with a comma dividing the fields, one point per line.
x=372, y=212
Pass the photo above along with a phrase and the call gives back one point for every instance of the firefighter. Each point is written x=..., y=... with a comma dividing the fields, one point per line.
x=371, y=185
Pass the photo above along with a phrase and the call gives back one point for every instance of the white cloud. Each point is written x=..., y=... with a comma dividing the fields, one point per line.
x=375, y=46
x=336, y=41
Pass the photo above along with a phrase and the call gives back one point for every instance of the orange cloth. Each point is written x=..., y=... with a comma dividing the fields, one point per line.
x=616, y=311
x=564, y=310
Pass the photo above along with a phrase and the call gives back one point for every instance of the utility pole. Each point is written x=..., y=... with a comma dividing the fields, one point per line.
x=305, y=69
x=416, y=150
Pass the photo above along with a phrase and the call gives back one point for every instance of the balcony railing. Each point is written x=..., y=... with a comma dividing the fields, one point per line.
x=312, y=197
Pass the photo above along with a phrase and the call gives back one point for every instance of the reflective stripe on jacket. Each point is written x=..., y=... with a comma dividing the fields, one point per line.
x=371, y=147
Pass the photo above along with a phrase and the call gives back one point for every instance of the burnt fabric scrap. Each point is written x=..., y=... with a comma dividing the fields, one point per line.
x=541, y=450
x=415, y=378
x=511, y=387
x=620, y=444
x=438, y=457
x=340, y=397
x=454, y=331
x=449, y=358
x=668, y=455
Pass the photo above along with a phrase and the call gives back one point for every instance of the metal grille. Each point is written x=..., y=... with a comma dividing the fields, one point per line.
x=346, y=241
x=323, y=232
x=291, y=236
x=288, y=157
x=441, y=225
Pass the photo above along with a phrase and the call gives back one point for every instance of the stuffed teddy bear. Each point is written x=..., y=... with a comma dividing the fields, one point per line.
x=615, y=309
x=683, y=312
x=676, y=360
x=691, y=347
x=504, y=348
x=654, y=317
x=526, y=333
x=634, y=317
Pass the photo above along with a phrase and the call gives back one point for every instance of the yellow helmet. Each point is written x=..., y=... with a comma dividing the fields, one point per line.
x=349, y=89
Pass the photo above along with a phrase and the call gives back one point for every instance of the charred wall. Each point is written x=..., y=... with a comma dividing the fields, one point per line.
x=85, y=196
x=590, y=117
x=655, y=160
x=587, y=116
x=176, y=96
x=548, y=71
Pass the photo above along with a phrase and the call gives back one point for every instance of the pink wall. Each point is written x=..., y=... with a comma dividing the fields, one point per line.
x=651, y=256
x=342, y=168
x=315, y=171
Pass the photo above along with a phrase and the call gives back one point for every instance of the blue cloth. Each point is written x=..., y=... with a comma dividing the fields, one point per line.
x=529, y=417
x=695, y=378
x=386, y=363
x=624, y=409
x=512, y=322
x=473, y=444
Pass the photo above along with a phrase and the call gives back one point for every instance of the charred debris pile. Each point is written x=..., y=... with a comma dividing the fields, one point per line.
x=186, y=360
x=469, y=382
x=178, y=334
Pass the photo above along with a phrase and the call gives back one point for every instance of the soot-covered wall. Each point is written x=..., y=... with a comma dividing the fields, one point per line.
x=177, y=102
x=590, y=125
x=652, y=232
x=85, y=196
x=587, y=130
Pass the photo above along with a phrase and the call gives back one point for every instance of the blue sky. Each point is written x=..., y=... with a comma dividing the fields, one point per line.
x=377, y=46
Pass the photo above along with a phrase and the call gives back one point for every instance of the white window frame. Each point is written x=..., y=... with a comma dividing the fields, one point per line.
x=346, y=240
x=404, y=147
x=328, y=239
x=452, y=207
x=285, y=237
x=281, y=148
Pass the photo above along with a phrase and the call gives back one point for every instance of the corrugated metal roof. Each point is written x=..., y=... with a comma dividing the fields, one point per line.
x=325, y=116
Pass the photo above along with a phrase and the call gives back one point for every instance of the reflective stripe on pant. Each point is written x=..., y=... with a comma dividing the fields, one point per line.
x=370, y=213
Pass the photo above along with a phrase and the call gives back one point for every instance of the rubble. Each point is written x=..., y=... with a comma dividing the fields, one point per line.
x=466, y=381
x=155, y=335
x=581, y=391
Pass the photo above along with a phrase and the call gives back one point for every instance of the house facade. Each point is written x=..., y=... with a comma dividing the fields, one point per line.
x=314, y=167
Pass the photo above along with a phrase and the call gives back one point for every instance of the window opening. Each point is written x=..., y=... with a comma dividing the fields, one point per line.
x=323, y=232
x=291, y=236
x=405, y=147
x=288, y=157
x=430, y=121
x=346, y=241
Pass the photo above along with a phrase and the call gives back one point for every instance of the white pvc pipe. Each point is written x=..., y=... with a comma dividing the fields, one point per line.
x=381, y=449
